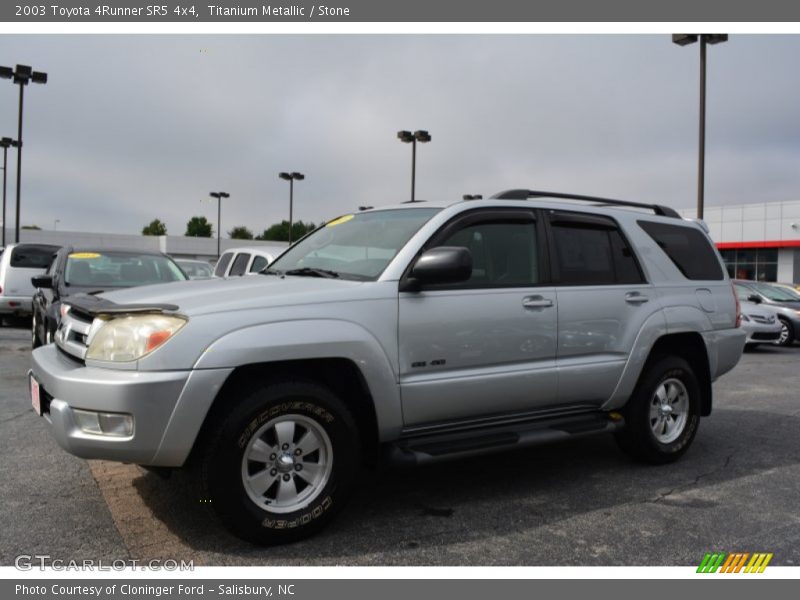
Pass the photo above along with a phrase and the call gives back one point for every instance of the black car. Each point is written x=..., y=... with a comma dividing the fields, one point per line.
x=92, y=271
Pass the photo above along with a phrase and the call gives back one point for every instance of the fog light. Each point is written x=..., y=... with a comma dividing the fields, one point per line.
x=99, y=423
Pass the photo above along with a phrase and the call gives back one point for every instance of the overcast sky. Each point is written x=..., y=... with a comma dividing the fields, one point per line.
x=130, y=128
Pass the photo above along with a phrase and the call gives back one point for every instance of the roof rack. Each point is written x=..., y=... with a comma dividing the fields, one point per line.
x=664, y=211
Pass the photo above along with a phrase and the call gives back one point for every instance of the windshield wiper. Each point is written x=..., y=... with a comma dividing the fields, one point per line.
x=312, y=272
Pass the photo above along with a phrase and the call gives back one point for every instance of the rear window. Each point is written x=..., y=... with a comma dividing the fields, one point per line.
x=688, y=249
x=29, y=256
x=223, y=263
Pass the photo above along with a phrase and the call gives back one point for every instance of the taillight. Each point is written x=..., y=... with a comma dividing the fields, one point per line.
x=738, y=306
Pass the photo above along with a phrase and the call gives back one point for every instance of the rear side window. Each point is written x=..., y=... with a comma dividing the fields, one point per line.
x=592, y=254
x=222, y=264
x=239, y=265
x=688, y=249
x=29, y=256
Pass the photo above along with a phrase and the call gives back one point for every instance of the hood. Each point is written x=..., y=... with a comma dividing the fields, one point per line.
x=758, y=310
x=203, y=296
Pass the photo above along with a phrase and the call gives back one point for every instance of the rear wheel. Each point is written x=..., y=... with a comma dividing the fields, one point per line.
x=663, y=414
x=282, y=462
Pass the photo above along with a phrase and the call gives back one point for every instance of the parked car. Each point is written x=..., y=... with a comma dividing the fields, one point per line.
x=92, y=270
x=242, y=261
x=18, y=263
x=791, y=287
x=413, y=334
x=761, y=324
x=785, y=303
x=195, y=269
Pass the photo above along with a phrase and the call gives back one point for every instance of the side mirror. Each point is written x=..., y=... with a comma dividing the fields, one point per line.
x=43, y=281
x=754, y=298
x=445, y=264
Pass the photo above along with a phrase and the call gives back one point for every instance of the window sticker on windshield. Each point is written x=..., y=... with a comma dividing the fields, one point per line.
x=340, y=220
x=84, y=255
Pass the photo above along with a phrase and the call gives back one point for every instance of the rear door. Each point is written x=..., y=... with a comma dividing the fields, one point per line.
x=603, y=301
x=485, y=347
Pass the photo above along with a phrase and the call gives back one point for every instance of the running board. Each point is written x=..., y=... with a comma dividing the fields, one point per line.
x=431, y=448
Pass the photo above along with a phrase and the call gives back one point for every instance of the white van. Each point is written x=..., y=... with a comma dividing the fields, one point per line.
x=243, y=261
x=18, y=263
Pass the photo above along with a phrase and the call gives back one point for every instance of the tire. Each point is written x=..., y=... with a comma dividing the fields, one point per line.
x=656, y=431
x=306, y=453
x=35, y=341
x=787, y=334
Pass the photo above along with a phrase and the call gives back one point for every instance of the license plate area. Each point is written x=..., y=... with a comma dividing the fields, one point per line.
x=36, y=396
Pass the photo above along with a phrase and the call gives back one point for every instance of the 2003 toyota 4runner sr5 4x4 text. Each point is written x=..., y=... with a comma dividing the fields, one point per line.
x=412, y=333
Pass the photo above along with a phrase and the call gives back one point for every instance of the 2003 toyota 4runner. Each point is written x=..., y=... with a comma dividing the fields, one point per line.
x=417, y=333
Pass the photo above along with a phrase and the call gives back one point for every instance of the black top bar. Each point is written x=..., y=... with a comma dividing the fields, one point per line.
x=664, y=211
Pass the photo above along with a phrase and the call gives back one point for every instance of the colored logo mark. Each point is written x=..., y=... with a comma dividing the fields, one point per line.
x=736, y=562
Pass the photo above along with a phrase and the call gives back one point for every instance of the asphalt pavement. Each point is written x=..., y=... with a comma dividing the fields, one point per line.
x=575, y=503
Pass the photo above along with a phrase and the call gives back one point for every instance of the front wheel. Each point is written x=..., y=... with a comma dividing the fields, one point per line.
x=35, y=341
x=663, y=414
x=282, y=462
x=787, y=334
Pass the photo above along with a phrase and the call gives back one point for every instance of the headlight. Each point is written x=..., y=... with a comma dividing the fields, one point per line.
x=129, y=338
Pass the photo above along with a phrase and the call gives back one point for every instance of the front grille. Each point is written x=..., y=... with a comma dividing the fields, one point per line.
x=73, y=333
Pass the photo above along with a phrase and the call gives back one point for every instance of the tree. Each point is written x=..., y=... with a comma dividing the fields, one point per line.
x=240, y=233
x=198, y=227
x=156, y=227
x=36, y=227
x=279, y=232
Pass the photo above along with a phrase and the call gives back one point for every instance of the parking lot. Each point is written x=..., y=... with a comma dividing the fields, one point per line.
x=576, y=503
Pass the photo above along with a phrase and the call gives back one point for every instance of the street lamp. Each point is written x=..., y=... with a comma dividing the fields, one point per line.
x=412, y=138
x=291, y=177
x=684, y=39
x=219, y=196
x=5, y=143
x=55, y=224
x=22, y=75
x=472, y=197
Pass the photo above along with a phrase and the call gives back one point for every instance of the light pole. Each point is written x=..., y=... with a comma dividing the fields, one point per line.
x=219, y=196
x=22, y=75
x=684, y=39
x=412, y=138
x=5, y=143
x=55, y=224
x=291, y=177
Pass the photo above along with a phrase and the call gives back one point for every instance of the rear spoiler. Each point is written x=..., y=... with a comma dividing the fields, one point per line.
x=94, y=306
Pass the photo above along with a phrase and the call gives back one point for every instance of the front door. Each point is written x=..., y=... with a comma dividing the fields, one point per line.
x=485, y=347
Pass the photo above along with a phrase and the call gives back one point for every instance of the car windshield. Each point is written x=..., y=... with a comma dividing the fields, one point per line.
x=775, y=293
x=119, y=269
x=357, y=246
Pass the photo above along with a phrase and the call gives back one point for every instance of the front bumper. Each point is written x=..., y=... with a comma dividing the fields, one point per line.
x=760, y=333
x=168, y=407
x=11, y=305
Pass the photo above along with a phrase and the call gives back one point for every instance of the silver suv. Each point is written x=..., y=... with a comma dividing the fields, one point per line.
x=414, y=333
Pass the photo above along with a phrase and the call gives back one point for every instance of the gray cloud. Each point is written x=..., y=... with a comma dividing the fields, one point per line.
x=130, y=128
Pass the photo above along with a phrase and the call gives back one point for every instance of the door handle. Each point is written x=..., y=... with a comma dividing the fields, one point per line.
x=536, y=302
x=635, y=298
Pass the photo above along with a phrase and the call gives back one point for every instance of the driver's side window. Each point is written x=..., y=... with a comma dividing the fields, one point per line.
x=504, y=254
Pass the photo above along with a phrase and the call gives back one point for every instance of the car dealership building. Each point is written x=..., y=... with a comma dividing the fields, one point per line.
x=757, y=241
